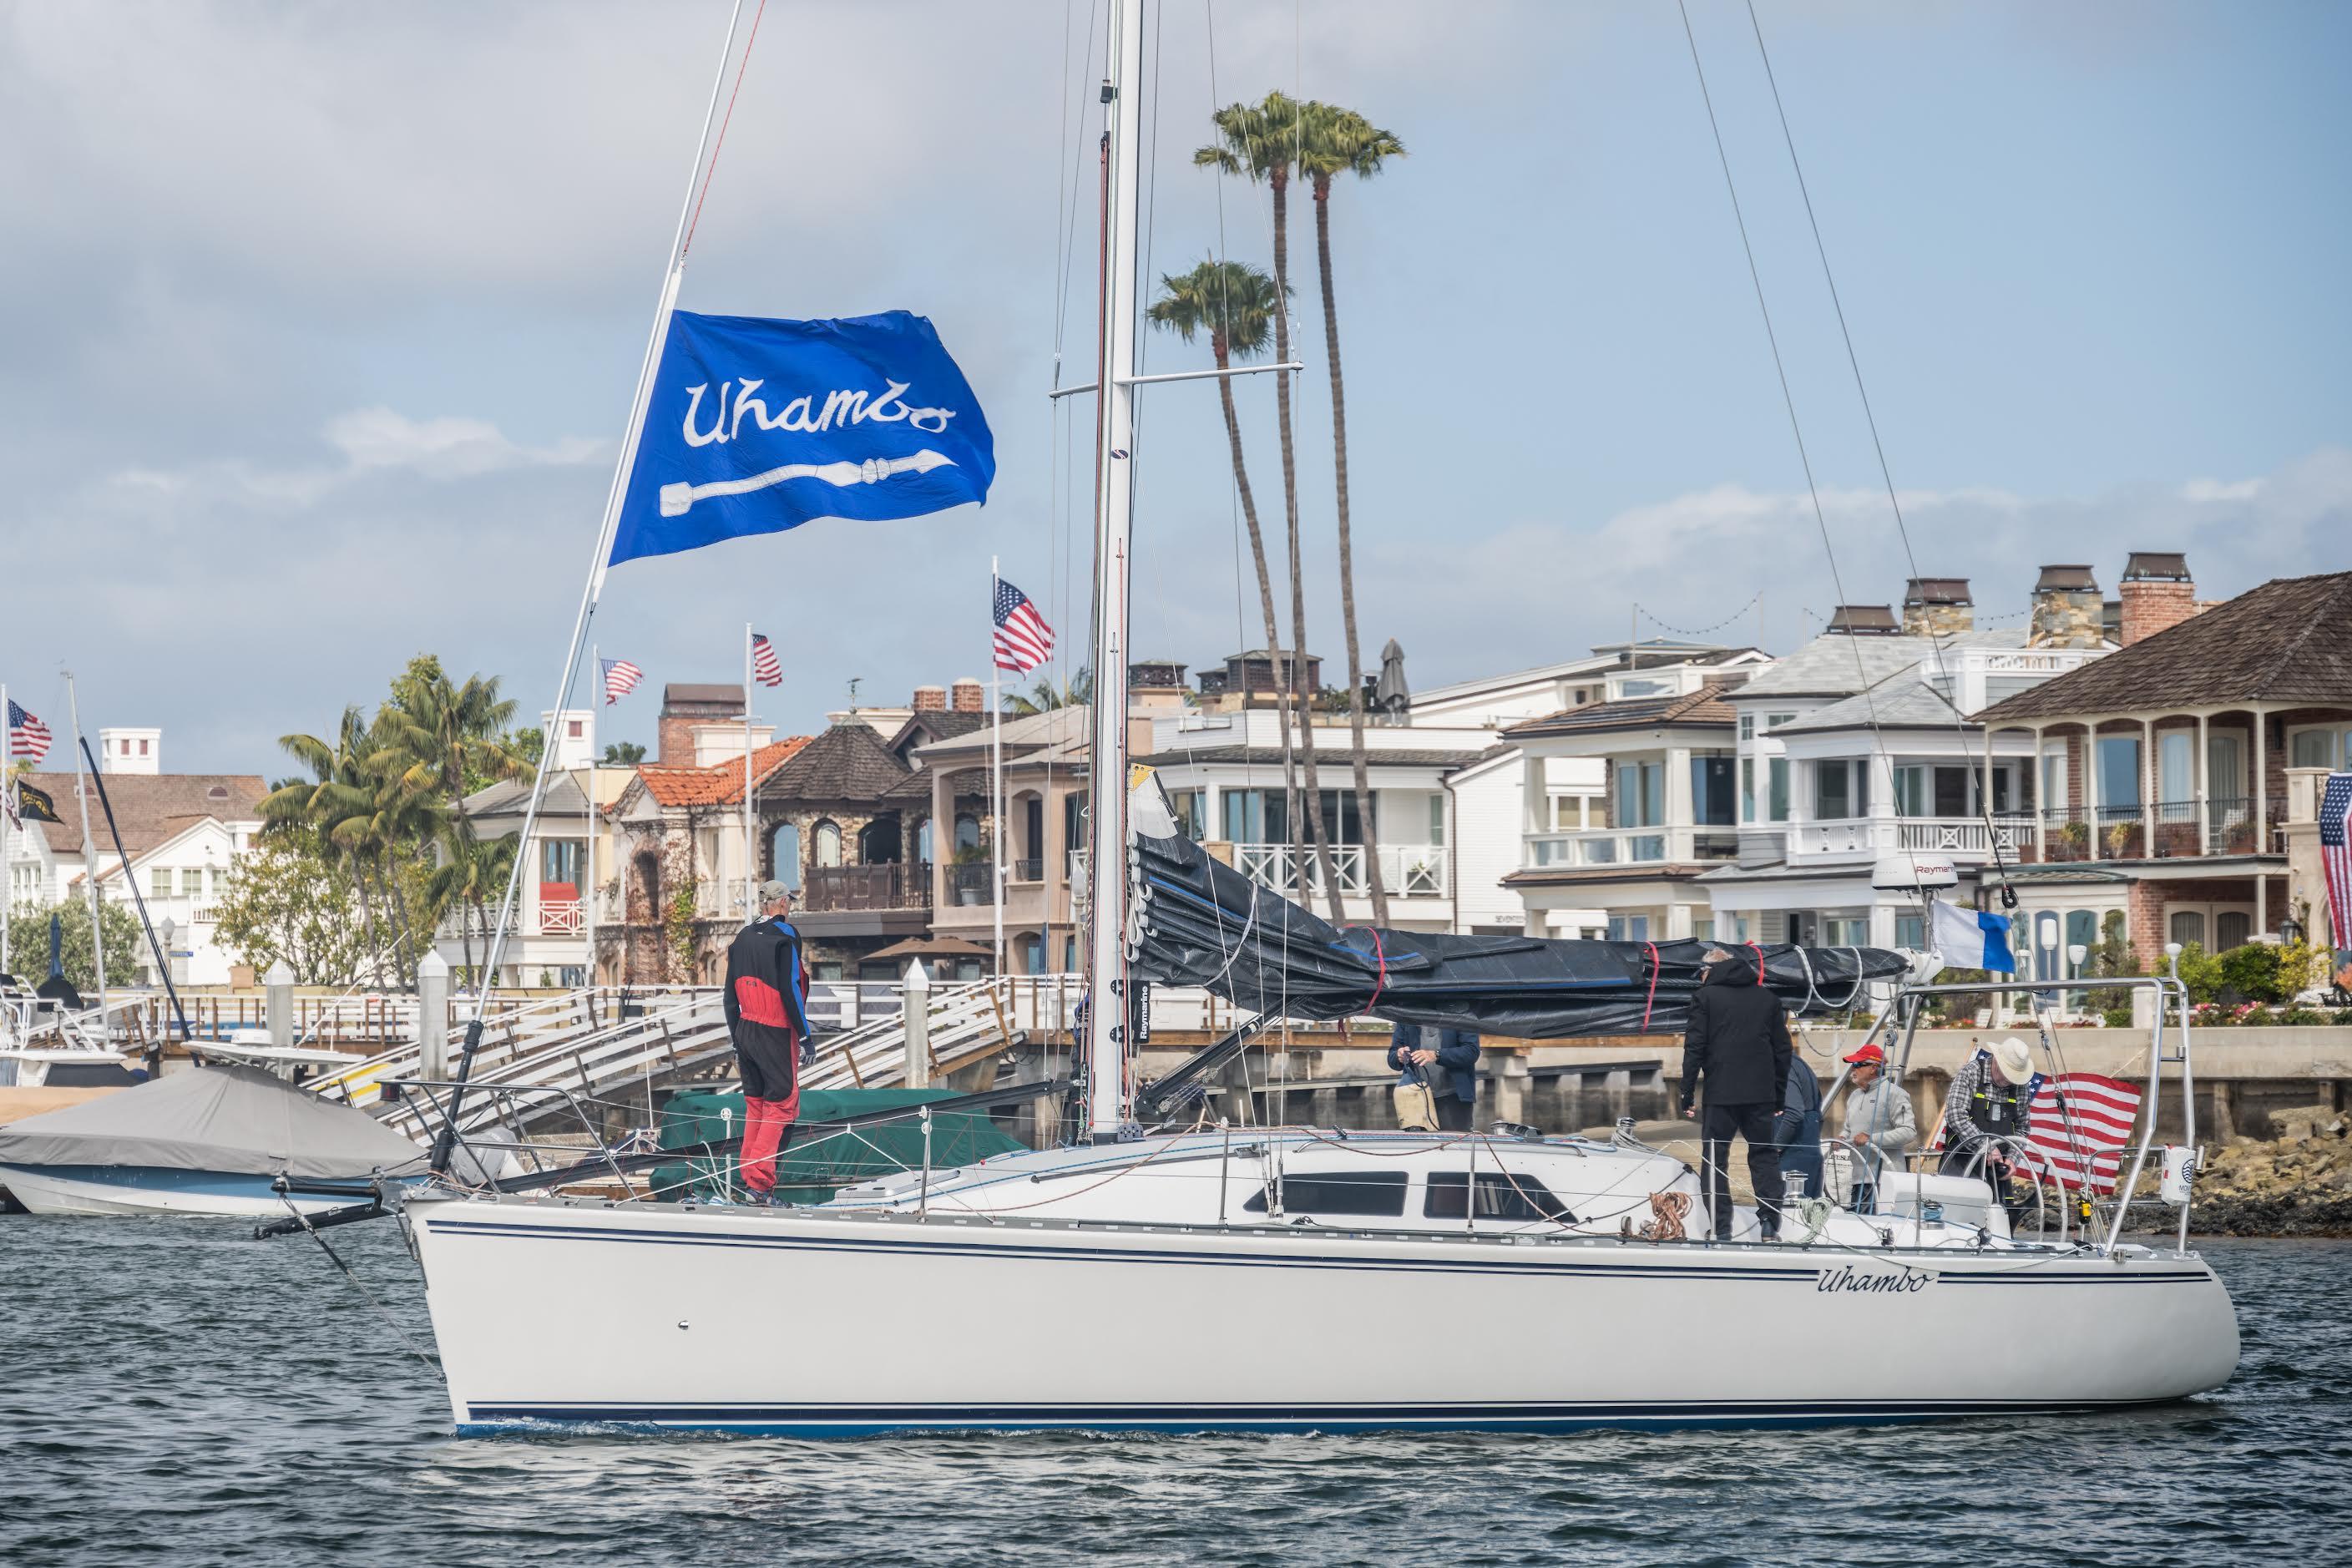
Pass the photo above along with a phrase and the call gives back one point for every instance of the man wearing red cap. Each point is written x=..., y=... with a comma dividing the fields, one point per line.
x=1878, y=1125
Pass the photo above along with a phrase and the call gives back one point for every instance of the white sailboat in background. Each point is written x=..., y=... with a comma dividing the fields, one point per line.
x=1321, y=1242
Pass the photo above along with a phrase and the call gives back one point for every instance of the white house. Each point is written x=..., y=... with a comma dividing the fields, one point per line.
x=1861, y=743
x=181, y=833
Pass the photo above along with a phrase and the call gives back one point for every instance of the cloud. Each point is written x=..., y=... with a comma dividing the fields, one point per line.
x=2214, y=490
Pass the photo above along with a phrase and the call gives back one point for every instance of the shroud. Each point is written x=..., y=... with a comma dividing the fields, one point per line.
x=1200, y=922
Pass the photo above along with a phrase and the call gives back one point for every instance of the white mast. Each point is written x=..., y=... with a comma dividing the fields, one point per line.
x=750, y=896
x=1107, y=985
x=89, y=853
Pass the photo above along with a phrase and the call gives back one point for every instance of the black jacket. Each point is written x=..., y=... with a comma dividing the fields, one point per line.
x=765, y=1012
x=1737, y=1040
x=1457, y=1053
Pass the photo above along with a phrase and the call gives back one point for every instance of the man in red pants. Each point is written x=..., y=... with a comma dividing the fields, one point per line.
x=767, y=1016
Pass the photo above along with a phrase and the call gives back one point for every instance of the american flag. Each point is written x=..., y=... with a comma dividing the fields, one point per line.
x=765, y=666
x=27, y=736
x=2336, y=853
x=2078, y=1125
x=1024, y=640
x=621, y=678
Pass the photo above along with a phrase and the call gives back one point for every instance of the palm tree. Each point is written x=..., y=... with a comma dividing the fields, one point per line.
x=1045, y=697
x=341, y=789
x=470, y=874
x=448, y=740
x=1335, y=142
x=1261, y=142
x=1235, y=304
x=623, y=754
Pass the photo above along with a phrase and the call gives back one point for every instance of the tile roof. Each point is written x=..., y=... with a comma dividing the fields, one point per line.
x=1705, y=706
x=149, y=808
x=2288, y=641
x=849, y=761
x=721, y=784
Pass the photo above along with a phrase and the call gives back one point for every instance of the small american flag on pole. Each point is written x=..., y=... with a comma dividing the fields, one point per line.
x=27, y=736
x=2078, y=1125
x=621, y=678
x=1024, y=640
x=766, y=669
x=2336, y=854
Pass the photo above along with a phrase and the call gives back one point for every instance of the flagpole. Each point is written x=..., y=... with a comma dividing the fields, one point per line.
x=995, y=768
x=673, y=275
x=749, y=910
x=588, y=893
x=89, y=852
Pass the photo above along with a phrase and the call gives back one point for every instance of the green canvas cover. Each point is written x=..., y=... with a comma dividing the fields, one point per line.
x=812, y=1170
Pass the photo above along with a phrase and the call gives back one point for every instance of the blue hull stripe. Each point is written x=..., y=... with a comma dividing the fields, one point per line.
x=854, y=1420
x=1807, y=1274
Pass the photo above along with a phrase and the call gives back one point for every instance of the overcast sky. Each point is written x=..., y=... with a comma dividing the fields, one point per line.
x=321, y=322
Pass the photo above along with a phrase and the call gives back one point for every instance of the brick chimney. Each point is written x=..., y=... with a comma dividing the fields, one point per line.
x=2066, y=609
x=930, y=699
x=971, y=697
x=1937, y=606
x=2156, y=594
x=686, y=704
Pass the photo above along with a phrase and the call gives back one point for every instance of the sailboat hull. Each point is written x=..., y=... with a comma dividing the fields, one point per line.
x=813, y=1324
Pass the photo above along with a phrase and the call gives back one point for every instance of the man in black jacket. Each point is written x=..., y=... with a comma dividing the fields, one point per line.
x=767, y=1016
x=1737, y=1041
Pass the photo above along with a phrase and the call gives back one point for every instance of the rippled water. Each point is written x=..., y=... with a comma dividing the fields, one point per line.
x=175, y=1393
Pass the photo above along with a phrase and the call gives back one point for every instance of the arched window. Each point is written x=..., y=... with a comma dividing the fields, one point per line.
x=828, y=842
x=785, y=848
x=967, y=831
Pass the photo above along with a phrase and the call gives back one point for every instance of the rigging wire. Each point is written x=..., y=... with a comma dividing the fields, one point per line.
x=711, y=168
x=1886, y=473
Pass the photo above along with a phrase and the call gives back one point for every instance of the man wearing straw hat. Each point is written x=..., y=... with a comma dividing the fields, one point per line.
x=1985, y=1116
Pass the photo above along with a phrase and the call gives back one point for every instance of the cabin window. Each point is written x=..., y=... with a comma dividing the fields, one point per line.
x=1500, y=1197
x=1377, y=1192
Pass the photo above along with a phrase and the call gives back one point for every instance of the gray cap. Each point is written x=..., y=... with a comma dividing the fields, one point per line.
x=771, y=891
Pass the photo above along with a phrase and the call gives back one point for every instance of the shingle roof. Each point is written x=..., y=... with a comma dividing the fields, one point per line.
x=847, y=763
x=2289, y=640
x=936, y=725
x=510, y=798
x=721, y=784
x=1705, y=706
x=147, y=807
x=1905, y=701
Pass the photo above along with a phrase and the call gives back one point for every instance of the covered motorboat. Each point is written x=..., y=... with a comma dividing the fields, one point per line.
x=208, y=1140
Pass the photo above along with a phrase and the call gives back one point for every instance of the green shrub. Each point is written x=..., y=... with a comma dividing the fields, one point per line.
x=2117, y=1017
x=2253, y=972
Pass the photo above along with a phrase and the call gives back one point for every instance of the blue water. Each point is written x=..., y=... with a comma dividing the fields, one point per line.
x=174, y=1392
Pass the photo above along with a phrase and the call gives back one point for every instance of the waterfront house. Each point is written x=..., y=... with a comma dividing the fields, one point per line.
x=181, y=833
x=1626, y=800
x=2166, y=766
x=1860, y=744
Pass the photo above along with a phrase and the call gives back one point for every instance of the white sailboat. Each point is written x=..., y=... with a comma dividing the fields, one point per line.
x=1314, y=1263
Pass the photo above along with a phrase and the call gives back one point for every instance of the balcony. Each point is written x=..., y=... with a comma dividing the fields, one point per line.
x=1406, y=870
x=837, y=890
x=1867, y=837
x=1632, y=847
x=1028, y=868
x=2164, y=830
x=560, y=917
x=969, y=885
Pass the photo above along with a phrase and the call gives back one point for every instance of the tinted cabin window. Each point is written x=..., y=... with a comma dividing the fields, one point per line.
x=1500, y=1197
x=1340, y=1193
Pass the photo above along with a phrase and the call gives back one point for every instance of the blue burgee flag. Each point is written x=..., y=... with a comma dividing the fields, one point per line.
x=757, y=425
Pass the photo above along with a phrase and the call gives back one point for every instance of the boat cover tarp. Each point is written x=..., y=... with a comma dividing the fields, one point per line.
x=233, y=1118
x=1200, y=922
x=815, y=1164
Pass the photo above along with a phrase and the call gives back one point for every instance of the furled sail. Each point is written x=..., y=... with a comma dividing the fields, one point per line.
x=1200, y=922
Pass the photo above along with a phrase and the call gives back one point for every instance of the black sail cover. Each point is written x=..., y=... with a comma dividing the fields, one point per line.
x=1198, y=921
